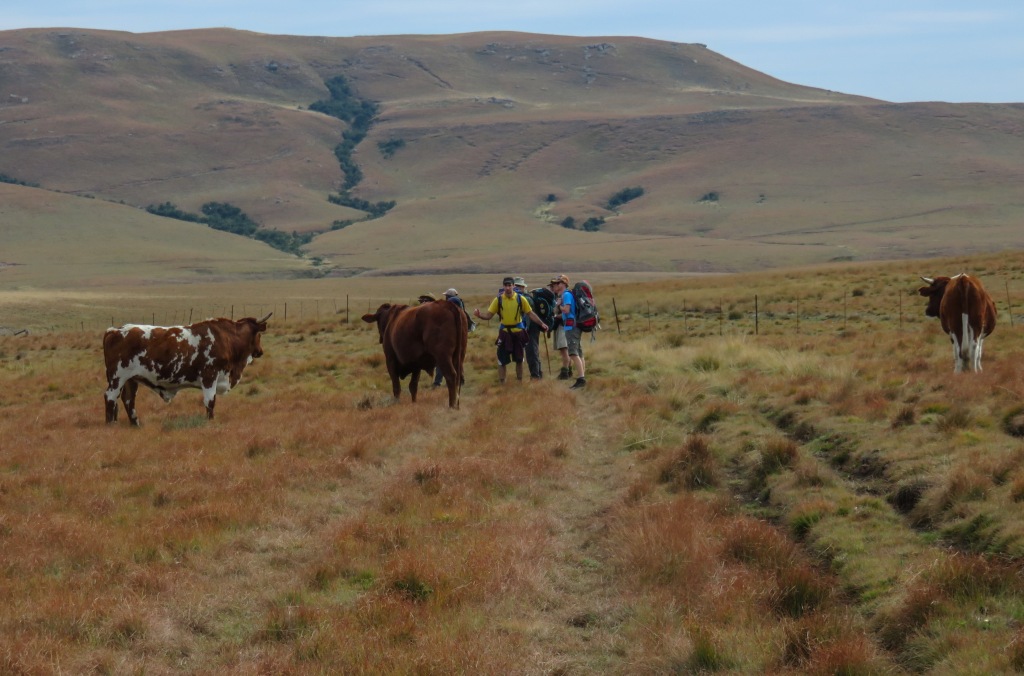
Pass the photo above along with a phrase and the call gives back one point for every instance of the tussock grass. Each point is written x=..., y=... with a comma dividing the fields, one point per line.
x=825, y=503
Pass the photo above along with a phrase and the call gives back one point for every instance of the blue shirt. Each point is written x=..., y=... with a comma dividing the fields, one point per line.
x=569, y=318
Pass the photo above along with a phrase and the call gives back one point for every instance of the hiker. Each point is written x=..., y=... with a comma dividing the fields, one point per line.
x=558, y=337
x=511, y=308
x=425, y=298
x=567, y=306
x=532, y=336
x=452, y=296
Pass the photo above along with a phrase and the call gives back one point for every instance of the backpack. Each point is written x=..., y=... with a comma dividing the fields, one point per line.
x=543, y=302
x=587, y=317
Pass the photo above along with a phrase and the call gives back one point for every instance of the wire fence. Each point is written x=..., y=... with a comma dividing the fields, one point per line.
x=758, y=314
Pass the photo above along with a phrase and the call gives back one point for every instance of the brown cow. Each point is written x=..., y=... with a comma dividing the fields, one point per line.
x=209, y=355
x=966, y=312
x=421, y=338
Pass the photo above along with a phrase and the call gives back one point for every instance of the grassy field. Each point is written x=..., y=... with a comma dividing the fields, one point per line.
x=821, y=497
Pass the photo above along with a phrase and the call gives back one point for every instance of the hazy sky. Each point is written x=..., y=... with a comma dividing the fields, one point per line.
x=896, y=50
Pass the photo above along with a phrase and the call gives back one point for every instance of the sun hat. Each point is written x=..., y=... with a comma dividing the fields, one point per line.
x=450, y=292
x=560, y=279
x=519, y=281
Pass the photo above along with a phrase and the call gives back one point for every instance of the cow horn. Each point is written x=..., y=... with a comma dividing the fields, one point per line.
x=928, y=280
x=265, y=318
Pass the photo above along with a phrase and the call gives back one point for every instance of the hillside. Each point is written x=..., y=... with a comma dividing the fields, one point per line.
x=501, y=137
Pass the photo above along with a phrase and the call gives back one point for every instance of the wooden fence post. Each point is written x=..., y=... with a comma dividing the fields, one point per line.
x=757, y=323
x=1009, y=306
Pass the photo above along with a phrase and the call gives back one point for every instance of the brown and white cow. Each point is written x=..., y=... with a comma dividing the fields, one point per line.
x=209, y=355
x=966, y=312
x=421, y=338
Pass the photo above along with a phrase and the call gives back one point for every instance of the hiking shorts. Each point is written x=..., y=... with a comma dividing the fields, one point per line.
x=559, y=339
x=511, y=346
x=574, y=341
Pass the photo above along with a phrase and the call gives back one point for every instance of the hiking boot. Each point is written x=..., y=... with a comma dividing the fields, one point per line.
x=565, y=373
x=579, y=384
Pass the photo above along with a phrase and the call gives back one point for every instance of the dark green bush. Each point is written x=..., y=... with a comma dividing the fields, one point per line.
x=624, y=195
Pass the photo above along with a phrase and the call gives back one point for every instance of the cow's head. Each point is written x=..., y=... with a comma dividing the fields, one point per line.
x=258, y=326
x=381, y=318
x=933, y=292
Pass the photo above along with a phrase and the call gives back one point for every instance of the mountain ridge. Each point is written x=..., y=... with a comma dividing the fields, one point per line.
x=503, y=136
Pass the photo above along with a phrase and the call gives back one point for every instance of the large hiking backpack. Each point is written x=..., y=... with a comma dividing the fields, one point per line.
x=543, y=302
x=587, y=317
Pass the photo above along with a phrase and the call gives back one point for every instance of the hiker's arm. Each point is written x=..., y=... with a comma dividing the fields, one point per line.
x=485, y=315
x=537, y=320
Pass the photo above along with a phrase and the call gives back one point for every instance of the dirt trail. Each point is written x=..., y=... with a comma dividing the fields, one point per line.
x=578, y=629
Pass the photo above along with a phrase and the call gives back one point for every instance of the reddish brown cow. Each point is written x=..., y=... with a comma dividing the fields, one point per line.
x=421, y=338
x=209, y=355
x=966, y=312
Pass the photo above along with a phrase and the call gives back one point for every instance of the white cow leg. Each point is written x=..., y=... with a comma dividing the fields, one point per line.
x=209, y=399
x=957, y=358
x=110, y=402
x=131, y=388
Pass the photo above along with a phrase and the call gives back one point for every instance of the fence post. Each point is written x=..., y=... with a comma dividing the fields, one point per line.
x=757, y=323
x=648, y=316
x=618, y=327
x=1009, y=306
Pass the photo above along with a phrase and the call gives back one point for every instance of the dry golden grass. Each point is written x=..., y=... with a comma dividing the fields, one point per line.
x=713, y=500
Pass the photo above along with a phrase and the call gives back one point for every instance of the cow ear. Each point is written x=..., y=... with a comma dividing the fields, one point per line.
x=369, y=319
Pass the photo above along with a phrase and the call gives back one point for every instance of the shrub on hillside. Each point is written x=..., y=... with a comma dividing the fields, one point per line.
x=4, y=178
x=623, y=196
x=387, y=148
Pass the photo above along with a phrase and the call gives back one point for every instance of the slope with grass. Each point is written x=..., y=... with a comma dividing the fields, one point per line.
x=505, y=133
x=819, y=497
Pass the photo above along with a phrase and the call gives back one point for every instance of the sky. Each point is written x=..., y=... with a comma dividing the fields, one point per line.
x=895, y=50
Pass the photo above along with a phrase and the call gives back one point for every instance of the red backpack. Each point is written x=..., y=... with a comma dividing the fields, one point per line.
x=587, y=317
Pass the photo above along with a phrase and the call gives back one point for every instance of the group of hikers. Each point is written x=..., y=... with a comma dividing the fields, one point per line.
x=520, y=327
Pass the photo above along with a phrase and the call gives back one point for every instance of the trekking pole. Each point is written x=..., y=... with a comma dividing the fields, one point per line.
x=548, y=354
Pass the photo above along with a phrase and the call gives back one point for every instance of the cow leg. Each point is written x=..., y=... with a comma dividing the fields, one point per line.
x=128, y=397
x=451, y=376
x=209, y=398
x=977, y=355
x=110, y=400
x=396, y=382
x=414, y=384
x=958, y=361
x=453, y=392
